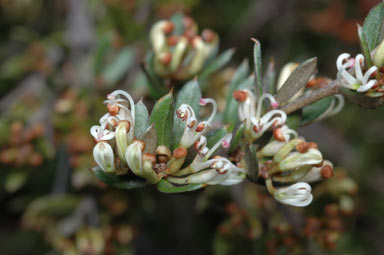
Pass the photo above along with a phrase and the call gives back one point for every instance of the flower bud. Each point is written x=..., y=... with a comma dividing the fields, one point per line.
x=103, y=155
x=122, y=138
x=133, y=156
x=297, y=159
x=163, y=154
x=298, y=194
x=180, y=153
x=316, y=173
x=148, y=173
x=378, y=57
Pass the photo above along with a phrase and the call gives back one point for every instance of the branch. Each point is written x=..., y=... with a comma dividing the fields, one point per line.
x=331, y=89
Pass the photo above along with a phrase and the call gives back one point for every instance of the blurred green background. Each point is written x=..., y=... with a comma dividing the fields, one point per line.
x=58, y=60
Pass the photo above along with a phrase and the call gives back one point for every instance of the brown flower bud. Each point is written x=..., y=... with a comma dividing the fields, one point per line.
x=149, y=157
x=327, y=172
x=200, y=127
x=179, y=152
x=313, y=145
x=172, y=40
x=278, y=135
x=168, y=28
x=163, y=154
x=208, y=35
x=113, y=109
x=302, y=147
x=240, y=95
x=166, y=58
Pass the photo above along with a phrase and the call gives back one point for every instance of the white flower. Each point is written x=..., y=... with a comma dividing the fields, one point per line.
x=103, y=155
x=101, y=134
x=121, y=105
x=361, y=81
x=298, y=194
x=297, y=159
x=192, y=130
x=250, y=113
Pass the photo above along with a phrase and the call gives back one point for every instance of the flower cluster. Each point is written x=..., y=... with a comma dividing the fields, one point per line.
x=181, y=54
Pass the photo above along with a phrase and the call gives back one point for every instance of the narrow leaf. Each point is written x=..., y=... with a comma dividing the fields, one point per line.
x=313, y=111
x=189, y=94
x=100, y=53
x=269, y=81
x=141, y=119
x=373, y=25
x=149, y=137
x=361, y=99
x=251, y=163
x=364, y=46
x=167, y=187
x=215, y=136
x=297, y=80
x=257, y=67
x=294, y=119
x=216, y=64
x=119, y=67
x=119, y=181
x=162, y=118
x=238, y=135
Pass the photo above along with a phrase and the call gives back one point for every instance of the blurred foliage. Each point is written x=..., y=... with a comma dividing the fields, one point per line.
x=59, y=58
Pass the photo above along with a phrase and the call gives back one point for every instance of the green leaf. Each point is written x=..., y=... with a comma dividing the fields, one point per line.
x=51, y=206
x=313, y=111
x=15, y=180
x=149, y=137
x=372, y=26
x=238, y=77
x=119, y=181
x=257, y=63
x=364, y=46
x=214, y=136
x=297, y=80
x=251, y=163
x=237, y=138
x=269, y=81
x=177, y=20
x=216, y=64
x=294, y=119
x=361, y=99
x=141, y=119
x=167, y=187
x=100, y=53
x=189, y=94
x=232, y=106
x=162, y=118
x=119, y=66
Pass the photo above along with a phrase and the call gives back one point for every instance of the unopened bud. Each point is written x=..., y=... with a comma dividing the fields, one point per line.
x=163, y=154
x=278, y=135
x=113, y=109
x=172, y=40
x=208, y=35
x=240, y=95
x=302, y=147
x=378, y=57
x=168, y=27
x=327, y=172
x=313, y=145
x=180, y=152
x=166, y=58
x=200, y=127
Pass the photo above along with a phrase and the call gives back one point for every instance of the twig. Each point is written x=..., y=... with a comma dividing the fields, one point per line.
x=331, y=89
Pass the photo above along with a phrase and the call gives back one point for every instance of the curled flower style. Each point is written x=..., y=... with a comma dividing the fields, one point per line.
x=298, y=194
x=335, y=107
x=250, y=113
x=193, y=130
x=99, y=133
x=360, y=82
x=319, y=173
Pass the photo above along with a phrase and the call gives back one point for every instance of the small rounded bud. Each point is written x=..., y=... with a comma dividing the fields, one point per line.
x=163, y=153
x=172, y=40
x=208, y=35
x=113, y=109
x=302, y=147
x=127, y=124
x=240, y=95
x=313, y=145
x=179, y=152
x=166, y=58
x=168, y=27
x=327, y=172
x=278, y=135
x=200, y=127
x=149, y=157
